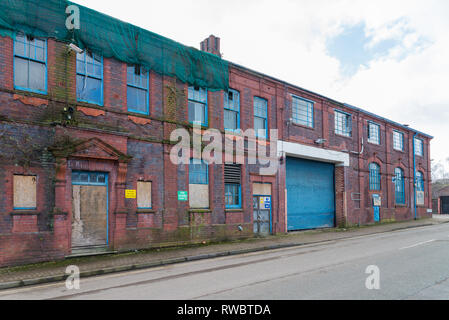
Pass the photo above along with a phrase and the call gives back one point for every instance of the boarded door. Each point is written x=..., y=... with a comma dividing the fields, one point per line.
x=310, y=194
x=90, y=209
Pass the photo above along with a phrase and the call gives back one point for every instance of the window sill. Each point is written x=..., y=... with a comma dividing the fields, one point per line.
x=200, y=211
x=143, y=211
x=85, y=103
x=202, y=125
x=400, y=206
x=374, y=143
x=138, y=114
x=31, y=93
x=233, y=131
x=234, y=210
x=303, y=126
x=343, y=136
x=30, y=212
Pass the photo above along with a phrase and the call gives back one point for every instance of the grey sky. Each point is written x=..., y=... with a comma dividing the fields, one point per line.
x=388, y=57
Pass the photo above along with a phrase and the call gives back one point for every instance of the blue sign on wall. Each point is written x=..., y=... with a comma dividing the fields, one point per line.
x=267, y=202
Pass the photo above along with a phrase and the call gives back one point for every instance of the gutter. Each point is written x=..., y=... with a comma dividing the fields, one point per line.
x=285, y=83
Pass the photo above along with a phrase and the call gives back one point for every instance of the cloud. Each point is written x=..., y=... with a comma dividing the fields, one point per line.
x=404, y=78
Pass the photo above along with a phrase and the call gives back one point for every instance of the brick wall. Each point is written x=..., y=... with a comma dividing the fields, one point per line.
x=40, y=120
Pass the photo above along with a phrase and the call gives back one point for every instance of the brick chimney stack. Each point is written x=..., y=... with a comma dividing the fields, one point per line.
x=211, y=45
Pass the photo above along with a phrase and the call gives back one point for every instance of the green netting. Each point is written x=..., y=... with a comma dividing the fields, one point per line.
x=113, y=38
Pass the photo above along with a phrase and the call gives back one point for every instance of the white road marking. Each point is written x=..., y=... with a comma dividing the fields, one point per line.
x=418, y=244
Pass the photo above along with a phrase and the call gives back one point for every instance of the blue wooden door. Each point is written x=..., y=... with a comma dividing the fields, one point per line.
x=310, y=194
x=376, y=214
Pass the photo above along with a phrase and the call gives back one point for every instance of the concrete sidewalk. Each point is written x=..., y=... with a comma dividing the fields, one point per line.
x=97, y=265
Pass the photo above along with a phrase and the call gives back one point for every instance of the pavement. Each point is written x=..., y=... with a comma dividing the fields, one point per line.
x=42, y=273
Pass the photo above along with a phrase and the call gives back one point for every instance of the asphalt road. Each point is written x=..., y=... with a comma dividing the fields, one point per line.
x=413, y=264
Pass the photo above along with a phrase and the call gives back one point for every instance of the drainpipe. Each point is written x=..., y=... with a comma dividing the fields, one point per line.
x=414, y=174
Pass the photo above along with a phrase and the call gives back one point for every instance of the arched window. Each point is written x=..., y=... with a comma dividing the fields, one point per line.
x=419, y=181
x=399, y=186
x=198, y=172
x=374, y=177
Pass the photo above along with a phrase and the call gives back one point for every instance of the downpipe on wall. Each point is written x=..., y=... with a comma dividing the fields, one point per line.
x=414, y=176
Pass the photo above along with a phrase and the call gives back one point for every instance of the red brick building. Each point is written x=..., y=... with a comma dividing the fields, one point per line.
x=76, y=144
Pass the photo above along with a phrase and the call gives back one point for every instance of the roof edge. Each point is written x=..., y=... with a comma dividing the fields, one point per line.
x=332, y=100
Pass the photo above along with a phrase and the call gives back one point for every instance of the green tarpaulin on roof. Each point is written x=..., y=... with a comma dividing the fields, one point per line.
x=113, y=38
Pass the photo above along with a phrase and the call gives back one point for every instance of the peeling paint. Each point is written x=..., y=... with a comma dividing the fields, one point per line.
x=32, y=101
x=138, y=120
x=91, y=112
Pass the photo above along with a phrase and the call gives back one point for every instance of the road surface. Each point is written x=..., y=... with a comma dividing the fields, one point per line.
x=413, y=264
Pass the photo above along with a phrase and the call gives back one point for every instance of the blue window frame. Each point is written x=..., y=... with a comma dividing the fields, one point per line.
x=89, y=178
x=260, y=117
x=198, y=172
x=89, y=78
x=343, y=123
x=398, y=140
x=419, y=147
x=233, y=181
x=374, y=177
x=399, y=186
x=137, y=89
x=198, y=106
x=30, y=63
x=232, y=110
x=233, y=196
x=302, y=111
x=419, y=181
x=373, y=133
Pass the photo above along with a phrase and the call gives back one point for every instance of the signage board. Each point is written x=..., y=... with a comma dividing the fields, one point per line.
x=377, y=200
x=183, y=196
x=130, y=194
x=265, y=203
x=420, y=198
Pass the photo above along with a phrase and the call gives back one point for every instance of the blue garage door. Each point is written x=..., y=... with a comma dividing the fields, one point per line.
x=310, y=194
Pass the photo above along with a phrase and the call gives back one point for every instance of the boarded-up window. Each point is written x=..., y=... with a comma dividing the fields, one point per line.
x=199, y=196
x=144, y=195
x=198, y=184
x=262, y=189
x=24, y=192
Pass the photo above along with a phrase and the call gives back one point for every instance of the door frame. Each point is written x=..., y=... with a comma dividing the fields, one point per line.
x=105, y=184
x=271, y=207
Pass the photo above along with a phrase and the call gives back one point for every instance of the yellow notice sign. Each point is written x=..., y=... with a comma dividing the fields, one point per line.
x=130, y=194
